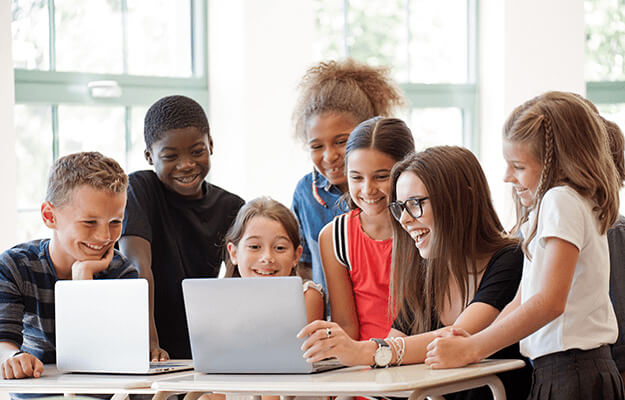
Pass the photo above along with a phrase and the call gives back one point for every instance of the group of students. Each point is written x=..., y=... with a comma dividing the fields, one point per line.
x=403, y=257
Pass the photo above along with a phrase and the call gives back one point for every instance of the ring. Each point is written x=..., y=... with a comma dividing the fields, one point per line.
x=328, y=333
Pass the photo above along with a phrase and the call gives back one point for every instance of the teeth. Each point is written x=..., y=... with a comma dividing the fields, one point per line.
x=419, y=234
x=94, y=247
x=186, y=179
x=259, y=272
x=372, y=201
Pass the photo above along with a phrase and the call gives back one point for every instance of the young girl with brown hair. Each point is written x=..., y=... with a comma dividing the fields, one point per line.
x=334, y=97
x=560, y=165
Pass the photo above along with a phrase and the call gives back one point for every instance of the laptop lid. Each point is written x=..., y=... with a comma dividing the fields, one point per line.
x=102, y=325
x=246, y=325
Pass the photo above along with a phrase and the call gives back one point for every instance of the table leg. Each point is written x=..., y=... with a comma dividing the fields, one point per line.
x=435, y=393
x=119, y=396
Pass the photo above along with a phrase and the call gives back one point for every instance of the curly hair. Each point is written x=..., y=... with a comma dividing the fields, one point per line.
x=173, y=112
x=347, y=87
x=85, y=168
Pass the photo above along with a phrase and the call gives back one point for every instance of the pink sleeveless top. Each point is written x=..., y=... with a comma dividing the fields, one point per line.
x=369, y=264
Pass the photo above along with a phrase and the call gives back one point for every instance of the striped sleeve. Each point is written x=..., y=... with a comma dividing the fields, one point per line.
x=120, y=267
x=339, y=240
x=11, y=302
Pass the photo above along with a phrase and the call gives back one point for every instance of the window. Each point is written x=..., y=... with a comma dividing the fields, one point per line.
x=84, y=77
x=605, y=59
x=431, y=47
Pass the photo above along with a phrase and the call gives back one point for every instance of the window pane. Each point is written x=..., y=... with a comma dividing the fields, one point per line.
x=89, y=128
x=159, y=38
x=80, y=30
x=30, y=34
x=378, y=35
x=439, y=42
x=136, y=160
x=33, y=149
x=423, y=41
x=329, y=42
x=436, y=126
x=605, y=40
x=30, y=226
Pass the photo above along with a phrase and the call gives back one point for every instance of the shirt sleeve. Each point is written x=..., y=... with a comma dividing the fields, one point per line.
x=562, y=215
x=306, y=256
x=136, y=221
x=501, y=278
x=11, y=302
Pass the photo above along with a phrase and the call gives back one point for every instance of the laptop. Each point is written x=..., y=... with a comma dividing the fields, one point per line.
x=102, y=327
x=248, y=325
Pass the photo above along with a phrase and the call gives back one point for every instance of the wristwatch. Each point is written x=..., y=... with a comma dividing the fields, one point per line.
x=383, y=354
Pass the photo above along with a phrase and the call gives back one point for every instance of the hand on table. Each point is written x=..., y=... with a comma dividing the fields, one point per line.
x=23, y=365
x=327, y=339
x=86, y=269
x=451, y=349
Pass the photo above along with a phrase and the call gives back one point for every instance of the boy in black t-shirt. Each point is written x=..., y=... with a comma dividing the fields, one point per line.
x=175, y=221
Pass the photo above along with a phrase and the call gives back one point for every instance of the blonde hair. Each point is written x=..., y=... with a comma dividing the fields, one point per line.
x=348, y=87
x=466, y=230
x=85, y=168
x=259, y=207
x=567, y=137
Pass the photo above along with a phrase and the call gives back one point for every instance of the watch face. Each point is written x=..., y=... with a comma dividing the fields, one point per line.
x=383, y=356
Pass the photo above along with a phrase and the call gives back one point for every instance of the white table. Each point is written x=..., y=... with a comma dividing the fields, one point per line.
x=53, y=381
x=416, y=381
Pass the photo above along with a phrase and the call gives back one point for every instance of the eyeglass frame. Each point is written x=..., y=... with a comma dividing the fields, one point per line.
x=402, y=205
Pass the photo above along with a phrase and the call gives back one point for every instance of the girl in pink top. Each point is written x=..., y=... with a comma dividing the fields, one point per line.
x=356, y=247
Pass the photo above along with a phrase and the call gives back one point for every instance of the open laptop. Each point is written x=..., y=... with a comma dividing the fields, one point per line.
x=102, y=327
x=248, y=325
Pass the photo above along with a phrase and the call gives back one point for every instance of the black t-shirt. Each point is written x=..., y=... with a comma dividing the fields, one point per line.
x=186, y=237
x=497, y=288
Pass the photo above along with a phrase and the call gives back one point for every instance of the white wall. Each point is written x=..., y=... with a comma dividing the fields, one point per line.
x=8, y=202
x=527, y=47
x=258, y=53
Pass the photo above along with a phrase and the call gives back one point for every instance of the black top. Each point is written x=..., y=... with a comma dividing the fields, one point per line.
x=186, y=237
x=616, y=243
x=497, y=288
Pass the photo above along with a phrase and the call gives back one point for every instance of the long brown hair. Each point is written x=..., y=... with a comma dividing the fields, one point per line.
x=466, y=230
x=259, y=207
x=567, y=137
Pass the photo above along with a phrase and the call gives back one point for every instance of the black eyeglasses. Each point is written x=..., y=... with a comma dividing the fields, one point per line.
x=412, y=205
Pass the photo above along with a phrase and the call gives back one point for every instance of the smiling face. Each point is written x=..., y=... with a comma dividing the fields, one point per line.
x=369, y=179
x=523, y=170
x=86, y=226
x=181, y=160
x=327, y=135
x=264, y=250
x=409, y=185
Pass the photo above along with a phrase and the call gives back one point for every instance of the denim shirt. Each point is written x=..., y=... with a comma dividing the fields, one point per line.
x=313, y=216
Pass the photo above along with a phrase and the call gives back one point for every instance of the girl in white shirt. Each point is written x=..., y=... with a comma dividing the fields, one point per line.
x=559, y=163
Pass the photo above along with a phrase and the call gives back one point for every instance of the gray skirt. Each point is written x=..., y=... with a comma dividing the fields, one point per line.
x=576, y=374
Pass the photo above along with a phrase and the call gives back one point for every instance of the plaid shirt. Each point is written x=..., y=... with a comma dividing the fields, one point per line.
x=27, y=279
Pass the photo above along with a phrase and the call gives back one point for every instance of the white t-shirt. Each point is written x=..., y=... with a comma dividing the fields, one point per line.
x=588, y=320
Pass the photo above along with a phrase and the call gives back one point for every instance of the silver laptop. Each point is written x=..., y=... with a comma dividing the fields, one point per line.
x=248, y=325
x=102, y=327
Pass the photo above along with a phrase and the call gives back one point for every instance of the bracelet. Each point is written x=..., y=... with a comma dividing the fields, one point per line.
x=17, y=353
x=398, y=345
x=402, y=350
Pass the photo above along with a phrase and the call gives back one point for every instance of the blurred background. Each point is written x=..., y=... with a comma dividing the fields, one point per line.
x=80, y=75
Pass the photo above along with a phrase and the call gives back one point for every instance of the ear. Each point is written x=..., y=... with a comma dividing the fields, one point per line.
x=210, y=145
x=148, y=156
x=48, y=214
x=232, y=251
x=298, y=253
